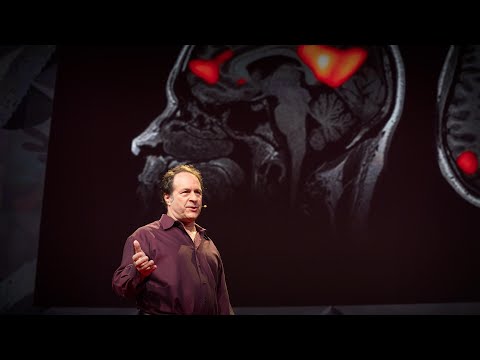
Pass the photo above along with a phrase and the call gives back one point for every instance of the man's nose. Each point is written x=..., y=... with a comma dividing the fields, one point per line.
x=195, y=197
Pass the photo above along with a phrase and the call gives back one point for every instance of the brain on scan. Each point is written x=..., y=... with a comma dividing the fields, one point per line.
x=307, y=124
x=458, y=125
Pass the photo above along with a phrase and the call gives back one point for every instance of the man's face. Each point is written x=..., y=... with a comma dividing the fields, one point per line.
x=185, y=202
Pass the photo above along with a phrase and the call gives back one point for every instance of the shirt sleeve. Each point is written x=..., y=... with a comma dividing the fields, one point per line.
x=222, y=294
x=127, y=281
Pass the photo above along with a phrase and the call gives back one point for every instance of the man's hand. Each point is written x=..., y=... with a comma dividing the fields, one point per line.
x=141, y=262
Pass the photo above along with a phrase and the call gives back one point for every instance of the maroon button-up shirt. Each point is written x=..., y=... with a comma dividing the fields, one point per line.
x=189, y=278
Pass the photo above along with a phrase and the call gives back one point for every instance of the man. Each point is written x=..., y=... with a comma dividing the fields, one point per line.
x=171, y=266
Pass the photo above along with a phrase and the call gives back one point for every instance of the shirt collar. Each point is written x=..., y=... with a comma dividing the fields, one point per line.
x=167, y=222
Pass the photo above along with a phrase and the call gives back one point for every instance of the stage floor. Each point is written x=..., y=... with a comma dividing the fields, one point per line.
x=400, y=309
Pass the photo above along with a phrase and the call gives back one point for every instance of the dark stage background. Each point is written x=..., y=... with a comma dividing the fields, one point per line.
x=420, y=244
